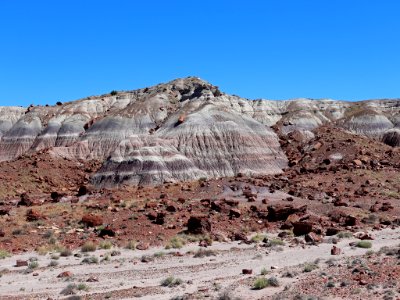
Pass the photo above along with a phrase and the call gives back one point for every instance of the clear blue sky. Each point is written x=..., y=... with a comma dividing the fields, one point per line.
x=68, y=49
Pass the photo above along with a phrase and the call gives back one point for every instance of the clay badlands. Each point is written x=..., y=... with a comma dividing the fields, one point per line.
x=181, y=191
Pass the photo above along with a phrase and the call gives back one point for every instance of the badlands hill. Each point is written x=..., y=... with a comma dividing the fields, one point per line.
x=182, y=130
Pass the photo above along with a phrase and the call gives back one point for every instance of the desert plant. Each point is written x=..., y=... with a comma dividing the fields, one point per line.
x=33, y=265
x=364, y=244
x=105, y=245
x=176, y=242
x=53, y=263
x=310, y=267
x=90, y=260
x=113, y=93
x=159, y=254
x=171, y=281
x=258, y=238
x=344, y=235
x=131, y=245
x=204, y=253
x=82, y=287
x=88, y=247
x=4, y=254
x=69, y=289
x=260, y=283
x=65, y=252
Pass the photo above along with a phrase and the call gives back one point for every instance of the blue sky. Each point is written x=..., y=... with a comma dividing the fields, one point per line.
x=67, y=49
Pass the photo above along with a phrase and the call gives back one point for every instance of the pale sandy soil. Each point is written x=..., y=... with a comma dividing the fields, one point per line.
x=126, y=277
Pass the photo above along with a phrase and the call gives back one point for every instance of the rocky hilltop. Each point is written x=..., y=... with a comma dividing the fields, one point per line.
x=182, y=130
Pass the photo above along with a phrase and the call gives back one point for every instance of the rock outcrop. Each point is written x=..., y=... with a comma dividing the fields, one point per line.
x=180, y=131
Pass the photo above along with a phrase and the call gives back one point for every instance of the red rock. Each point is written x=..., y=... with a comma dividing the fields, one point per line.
x=91, y=220
x=332, y=231
x=247, y=271
x=312, y=238
x=340, y=203
x=240, y=236
x=33, y=215
x=282, y=212
x=5, y=210
x=143, y=246
x=351, y=221
x=92, y=279
x=25, y=200
x=199, y=224
x=336, y=250
x=301, y=228
x=171, y=208
x=65, y=274
x=357, y=162
x=234, y=212
x=21, y=263
x=107, y=231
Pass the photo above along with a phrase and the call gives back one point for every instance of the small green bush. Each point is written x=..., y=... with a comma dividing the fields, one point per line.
x=364, y=244
x=105, y=245
x=176, y=242
x=309, y=267
x=4, y=254
x=53, y=263
x=65, y=252
x=171, y=281
x=264, y=271
x=113, y=93
x=82, y=287
x=88, y=247
x=90, y=260
x=131, y=245
x=344, y=235
x=260, y=283
x=204, y=253
x=33, y=265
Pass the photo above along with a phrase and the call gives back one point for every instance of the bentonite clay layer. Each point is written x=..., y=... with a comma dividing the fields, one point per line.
x=180, y=131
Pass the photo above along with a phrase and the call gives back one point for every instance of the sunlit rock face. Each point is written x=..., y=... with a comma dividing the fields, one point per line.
x=182, y=130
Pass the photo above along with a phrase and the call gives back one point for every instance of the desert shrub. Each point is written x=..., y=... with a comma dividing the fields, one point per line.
x=65, y=252
x=113, y=93
x=204, y=253
x=260, y=283
x=33, y=265
x=171, y=281
x=131, y=245
x=310, y=267
x=4, y=254
x=82, y=287
x=88, y=247
x=159, y=254
x=176, y=242
x=344, y=235
x=53, y=263
x=276, y=242
x=105, y=245
x=258, y=238
x=364, y=244
x=90, y=260
x=69, y=289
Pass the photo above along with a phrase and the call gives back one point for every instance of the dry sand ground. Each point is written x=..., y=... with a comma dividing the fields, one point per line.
x=125, y=276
